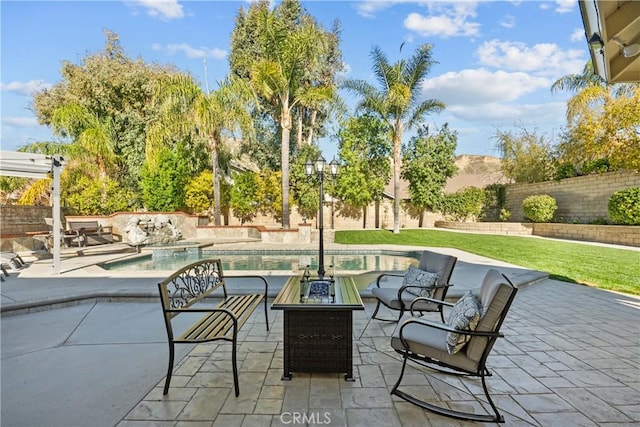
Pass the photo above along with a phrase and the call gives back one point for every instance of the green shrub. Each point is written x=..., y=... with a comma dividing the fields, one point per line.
x=505, y=214
x=539, y=208
x=624, y=206
x=97, y=197
x=464, y=204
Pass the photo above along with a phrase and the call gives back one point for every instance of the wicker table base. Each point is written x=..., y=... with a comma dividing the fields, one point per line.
x=318, y=341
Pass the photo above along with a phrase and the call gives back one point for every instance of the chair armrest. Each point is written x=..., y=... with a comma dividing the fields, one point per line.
x=387, y=274
x=404, y=288
x=427, y=299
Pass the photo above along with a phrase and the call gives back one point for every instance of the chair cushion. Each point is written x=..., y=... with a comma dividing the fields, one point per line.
x=430, y=342
x=389, y=297
x=465, y=316
x=422, y=278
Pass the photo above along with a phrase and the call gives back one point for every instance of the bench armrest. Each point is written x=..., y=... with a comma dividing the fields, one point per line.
x=251, y=276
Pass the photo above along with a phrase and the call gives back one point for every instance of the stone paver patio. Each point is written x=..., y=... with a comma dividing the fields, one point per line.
x=571, y=357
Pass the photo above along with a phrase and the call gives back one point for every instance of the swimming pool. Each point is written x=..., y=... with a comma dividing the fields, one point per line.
x=276, y=261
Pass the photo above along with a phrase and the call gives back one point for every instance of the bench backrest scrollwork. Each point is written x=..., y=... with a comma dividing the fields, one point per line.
x=190, y=285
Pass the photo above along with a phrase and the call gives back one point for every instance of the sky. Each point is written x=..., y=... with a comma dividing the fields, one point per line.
x=496, y=60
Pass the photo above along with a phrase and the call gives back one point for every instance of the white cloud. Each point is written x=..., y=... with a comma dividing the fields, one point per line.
x=22, y=122
x=529, y=115
x=163, y=9
x=578, y=35
x=369, y=8
x=508, y=21
x=565, y=6
x=481, y=87
x=25, y=88
x=445, y=20
x=189, y=51
x=544, y=58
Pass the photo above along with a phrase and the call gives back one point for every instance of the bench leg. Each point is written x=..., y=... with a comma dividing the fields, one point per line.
x=170, y=370
x=235, y=367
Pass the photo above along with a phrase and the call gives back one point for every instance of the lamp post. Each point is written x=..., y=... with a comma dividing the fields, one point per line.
x=320, y=165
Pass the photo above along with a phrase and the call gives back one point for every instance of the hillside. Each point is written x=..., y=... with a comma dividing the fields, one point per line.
x=473, y=170
x=476, y=171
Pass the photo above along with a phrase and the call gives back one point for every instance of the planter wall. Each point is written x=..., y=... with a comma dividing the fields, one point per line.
x=512, y=228
x=615, y=234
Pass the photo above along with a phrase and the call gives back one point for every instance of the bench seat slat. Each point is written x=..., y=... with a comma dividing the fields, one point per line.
x=217, y=324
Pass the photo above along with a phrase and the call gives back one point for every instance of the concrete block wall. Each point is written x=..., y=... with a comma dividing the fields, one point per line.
x=581, y=199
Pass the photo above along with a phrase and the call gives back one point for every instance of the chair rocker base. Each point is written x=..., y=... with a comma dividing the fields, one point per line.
x=450, y=370
x=447, y=412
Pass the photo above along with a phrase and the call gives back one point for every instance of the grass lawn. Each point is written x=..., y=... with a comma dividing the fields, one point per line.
x=602, y=267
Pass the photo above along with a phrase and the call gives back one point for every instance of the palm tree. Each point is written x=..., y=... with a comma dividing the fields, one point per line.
x=291, y=63
x=397, y=102
x=589, y=88
x=186, y=109
x=279, y=77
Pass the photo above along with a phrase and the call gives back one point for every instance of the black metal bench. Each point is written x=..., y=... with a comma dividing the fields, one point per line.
x=190, y=285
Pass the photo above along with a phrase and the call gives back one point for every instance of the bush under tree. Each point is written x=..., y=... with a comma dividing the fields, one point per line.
x=464, y=204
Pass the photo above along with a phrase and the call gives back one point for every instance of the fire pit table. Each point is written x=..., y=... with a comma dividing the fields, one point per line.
x=318, y=324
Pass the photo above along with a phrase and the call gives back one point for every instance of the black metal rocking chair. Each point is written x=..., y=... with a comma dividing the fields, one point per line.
x=401, y=298
x=425, y=342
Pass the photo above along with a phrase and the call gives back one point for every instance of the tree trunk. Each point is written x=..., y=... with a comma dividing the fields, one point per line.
x=397, y=144
x=314, y=115
x=213, y=142
x=377, y=214
x=285, y=124
x=299, y=129
x=421, y=219
x=364, y=216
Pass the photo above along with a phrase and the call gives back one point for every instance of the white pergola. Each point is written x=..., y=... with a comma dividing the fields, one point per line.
x=30, y=165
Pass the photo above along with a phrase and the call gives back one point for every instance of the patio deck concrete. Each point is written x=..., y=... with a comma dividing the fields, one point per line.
x=571, y=356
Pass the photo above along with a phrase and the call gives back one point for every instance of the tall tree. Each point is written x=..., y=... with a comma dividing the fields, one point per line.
x=364, y=150
x=115, y=90
x=186, y=111
x=526, y=156
x=279, y=52
x=397, y=102
x=428, y=160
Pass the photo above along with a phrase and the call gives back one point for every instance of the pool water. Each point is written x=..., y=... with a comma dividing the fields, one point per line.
x=274, y=261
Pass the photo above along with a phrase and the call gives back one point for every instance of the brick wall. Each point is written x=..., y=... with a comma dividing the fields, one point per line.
x=581, y=199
